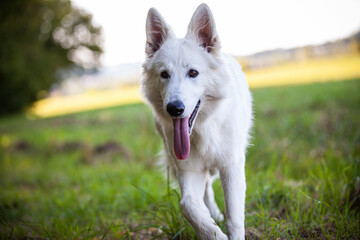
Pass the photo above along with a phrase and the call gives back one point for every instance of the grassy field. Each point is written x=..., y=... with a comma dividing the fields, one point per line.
x=93, y=175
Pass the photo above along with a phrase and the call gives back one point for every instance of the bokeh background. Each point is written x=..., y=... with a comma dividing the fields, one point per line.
x=78, y=147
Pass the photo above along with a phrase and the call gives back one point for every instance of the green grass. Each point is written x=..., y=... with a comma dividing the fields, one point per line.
x=93, y=175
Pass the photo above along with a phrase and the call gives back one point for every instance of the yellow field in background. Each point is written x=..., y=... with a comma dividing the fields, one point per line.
x=86, y=101
x=316, y=70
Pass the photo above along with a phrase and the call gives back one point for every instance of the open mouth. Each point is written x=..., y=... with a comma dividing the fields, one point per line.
x=193, y=116
x=182, y=131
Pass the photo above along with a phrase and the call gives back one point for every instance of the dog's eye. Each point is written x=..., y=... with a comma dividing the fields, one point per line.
x=164, y=74
x=193, y=73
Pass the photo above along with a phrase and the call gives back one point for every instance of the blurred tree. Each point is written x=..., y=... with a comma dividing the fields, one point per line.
x=39, y=38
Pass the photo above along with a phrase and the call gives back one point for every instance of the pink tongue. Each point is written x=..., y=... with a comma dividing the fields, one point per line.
x=181, y=138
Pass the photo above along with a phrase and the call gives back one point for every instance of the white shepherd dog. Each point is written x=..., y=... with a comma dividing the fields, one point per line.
x=202, y=109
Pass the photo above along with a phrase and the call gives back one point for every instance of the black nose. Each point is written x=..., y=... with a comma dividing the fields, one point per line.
x=175, y=109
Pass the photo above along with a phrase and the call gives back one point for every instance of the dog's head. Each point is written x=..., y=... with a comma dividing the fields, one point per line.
x=181, y=75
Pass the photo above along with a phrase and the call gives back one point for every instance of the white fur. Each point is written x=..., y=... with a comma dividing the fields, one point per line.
x=220, y=133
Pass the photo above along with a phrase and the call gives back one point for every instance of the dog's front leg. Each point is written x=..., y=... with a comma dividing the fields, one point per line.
x=234, y=186
x=192, y=204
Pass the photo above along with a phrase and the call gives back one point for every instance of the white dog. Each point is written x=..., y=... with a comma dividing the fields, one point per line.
x=202, y=109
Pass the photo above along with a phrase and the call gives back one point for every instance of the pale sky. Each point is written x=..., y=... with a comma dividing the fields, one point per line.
x=244, y=27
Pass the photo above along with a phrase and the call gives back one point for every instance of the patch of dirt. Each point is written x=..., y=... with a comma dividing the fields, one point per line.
x=252, y=234
x=112, y=147
x=104, y=152
x=329, y=119
x=10, y=205
x=279, y=213
x=317, y=233
x=71, y=146
x=20, y=146
x=89, y=152
x=270, y=112
x=142, y=234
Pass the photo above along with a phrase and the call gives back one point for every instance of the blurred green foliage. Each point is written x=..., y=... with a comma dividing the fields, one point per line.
x=39, y=39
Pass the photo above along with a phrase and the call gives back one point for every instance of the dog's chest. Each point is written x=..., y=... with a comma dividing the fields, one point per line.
x=212, y=144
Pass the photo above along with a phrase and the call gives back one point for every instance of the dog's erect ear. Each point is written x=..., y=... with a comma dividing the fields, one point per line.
x=202, y=28
x=157, y=31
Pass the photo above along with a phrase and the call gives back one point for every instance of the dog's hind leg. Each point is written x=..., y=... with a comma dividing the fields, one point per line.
x=210, y=202
x=192, y=204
